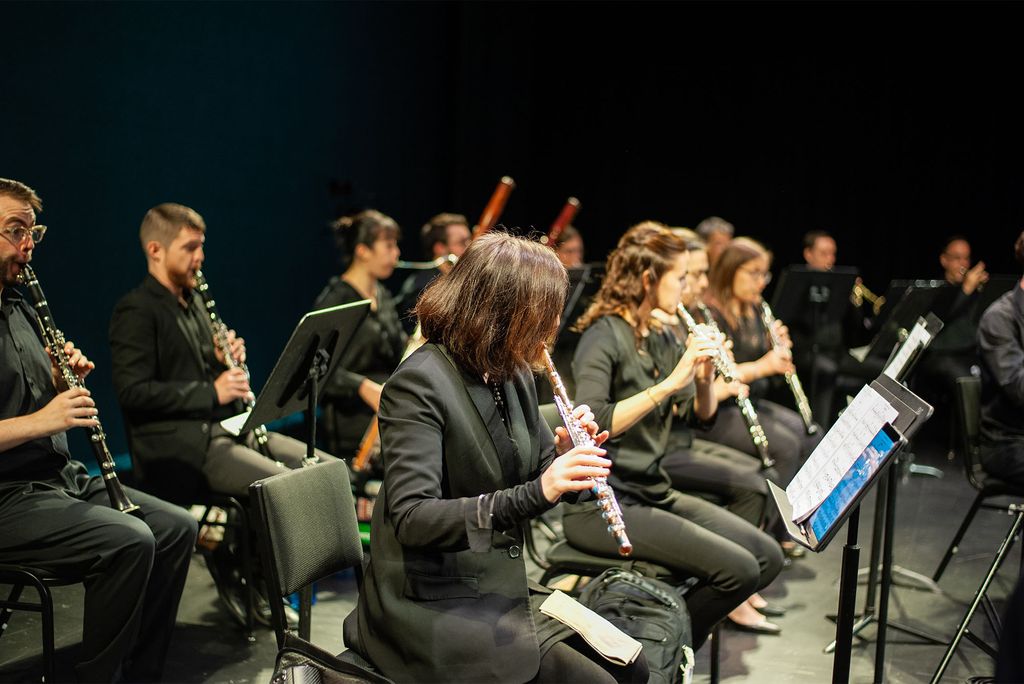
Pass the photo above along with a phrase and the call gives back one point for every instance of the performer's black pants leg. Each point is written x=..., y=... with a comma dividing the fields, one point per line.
x=730, y=476
x=573, y=661
x=133, y=570
x=731, y=558
x=785, y=446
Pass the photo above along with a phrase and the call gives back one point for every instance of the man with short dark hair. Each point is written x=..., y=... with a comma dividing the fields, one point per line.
x=1001, y=347
x=57, y=518
x=175, y=385
x=443, y=235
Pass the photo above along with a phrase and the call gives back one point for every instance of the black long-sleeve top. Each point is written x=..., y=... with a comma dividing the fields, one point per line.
x=374, y=352
x=608, y=368
x=749, y=343
x=26, y=385
x=1001, y=343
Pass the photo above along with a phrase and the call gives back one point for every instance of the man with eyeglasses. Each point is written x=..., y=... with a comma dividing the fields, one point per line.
x=174, y=386
x=443, y=235
x=57, y=518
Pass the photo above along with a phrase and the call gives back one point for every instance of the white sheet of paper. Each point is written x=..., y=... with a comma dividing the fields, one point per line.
x=603, y=636
x=918, y=337
x=234, y=423
x=834, y=455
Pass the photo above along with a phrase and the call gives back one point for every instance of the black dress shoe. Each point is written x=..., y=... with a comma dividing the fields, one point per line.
x=762, y=627
x=771, y=611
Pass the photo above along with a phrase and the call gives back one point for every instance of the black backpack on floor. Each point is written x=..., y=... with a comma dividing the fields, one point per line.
x=650, y=611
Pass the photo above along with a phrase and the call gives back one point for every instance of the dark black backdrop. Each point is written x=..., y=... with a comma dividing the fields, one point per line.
x=889, y=125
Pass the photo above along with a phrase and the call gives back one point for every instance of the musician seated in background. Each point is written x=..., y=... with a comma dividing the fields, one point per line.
x=820, y=347
x=569, y=247
x=632, y=372
x=53, y=515
x=468, y=462
x=716, y=233
x=1001, y=346
x=734, y=299
x=174, y=383
x=952, y=354
x=368, y=245
x=443, y=235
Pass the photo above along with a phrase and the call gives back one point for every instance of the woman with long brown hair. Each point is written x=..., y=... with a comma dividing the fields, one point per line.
x=467, y=462
x=734, y=295
x=634, y=375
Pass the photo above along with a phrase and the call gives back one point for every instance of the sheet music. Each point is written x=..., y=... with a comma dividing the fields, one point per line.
x=234, y=424
x=603, y=636
x=919, y=338
x=834, y=455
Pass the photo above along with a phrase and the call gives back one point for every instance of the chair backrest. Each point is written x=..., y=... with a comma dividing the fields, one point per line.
x=307, y=524
x=968, y=410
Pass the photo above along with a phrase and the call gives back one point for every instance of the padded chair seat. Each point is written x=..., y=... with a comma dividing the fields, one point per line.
x=18, y=573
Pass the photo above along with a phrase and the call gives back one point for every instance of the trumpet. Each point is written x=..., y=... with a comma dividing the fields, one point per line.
x=803, y=406
x=726, y=367
x=606, y=500
x=861, y=294
x=54, y=339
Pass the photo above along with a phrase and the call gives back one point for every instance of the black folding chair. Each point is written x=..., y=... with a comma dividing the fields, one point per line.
x=20, y=577
x=968, y=409
x=307, y=526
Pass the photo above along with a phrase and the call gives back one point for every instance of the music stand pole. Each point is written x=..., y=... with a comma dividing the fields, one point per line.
x=847, y=602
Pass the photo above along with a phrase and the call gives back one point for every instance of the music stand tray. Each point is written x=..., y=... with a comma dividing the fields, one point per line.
x=314, y=348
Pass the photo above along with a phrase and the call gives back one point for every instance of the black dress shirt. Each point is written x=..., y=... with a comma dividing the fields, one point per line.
x=26, y=385
x=1001, y=343
x=608, y=367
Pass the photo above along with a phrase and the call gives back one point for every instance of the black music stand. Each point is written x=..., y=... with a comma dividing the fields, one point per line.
x=913, y=299
x=296, y=382
x=913, y=413
x=810, y=301
x=309, y=357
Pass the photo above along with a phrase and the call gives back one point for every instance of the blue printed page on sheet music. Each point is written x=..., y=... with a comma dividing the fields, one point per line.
x=834, y=455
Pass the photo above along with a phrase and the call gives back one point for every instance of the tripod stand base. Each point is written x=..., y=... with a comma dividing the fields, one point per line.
x=910, y=579
x=868, y=620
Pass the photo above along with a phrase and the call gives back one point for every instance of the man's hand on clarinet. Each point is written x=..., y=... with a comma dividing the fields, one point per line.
x=232, y=384
x=69, y=409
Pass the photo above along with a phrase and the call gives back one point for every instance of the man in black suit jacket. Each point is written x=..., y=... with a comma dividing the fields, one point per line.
x=172, y=381
x=53, y=515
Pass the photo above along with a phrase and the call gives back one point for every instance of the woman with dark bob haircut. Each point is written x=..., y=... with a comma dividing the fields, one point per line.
x=467, y=462
x=636, y=377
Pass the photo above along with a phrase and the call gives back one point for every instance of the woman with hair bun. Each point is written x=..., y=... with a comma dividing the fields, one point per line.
x=368, y=245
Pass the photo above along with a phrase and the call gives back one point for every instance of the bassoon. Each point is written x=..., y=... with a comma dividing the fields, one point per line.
x=565, y=217
x=54, y=339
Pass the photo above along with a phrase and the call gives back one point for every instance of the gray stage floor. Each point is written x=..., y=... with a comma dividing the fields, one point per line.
x=208, y=647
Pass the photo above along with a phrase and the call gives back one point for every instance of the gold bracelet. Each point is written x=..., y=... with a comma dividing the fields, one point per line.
x=650, y=395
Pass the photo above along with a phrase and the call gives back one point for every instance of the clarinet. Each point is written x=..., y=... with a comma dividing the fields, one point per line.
x=219, y=329
x=726, y=367
x=606, y=501
x=54, y=339
x=802, y=405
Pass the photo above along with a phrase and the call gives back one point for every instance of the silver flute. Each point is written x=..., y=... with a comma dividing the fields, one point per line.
x=726, y=367
x=803, y=406
x=606, y=500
